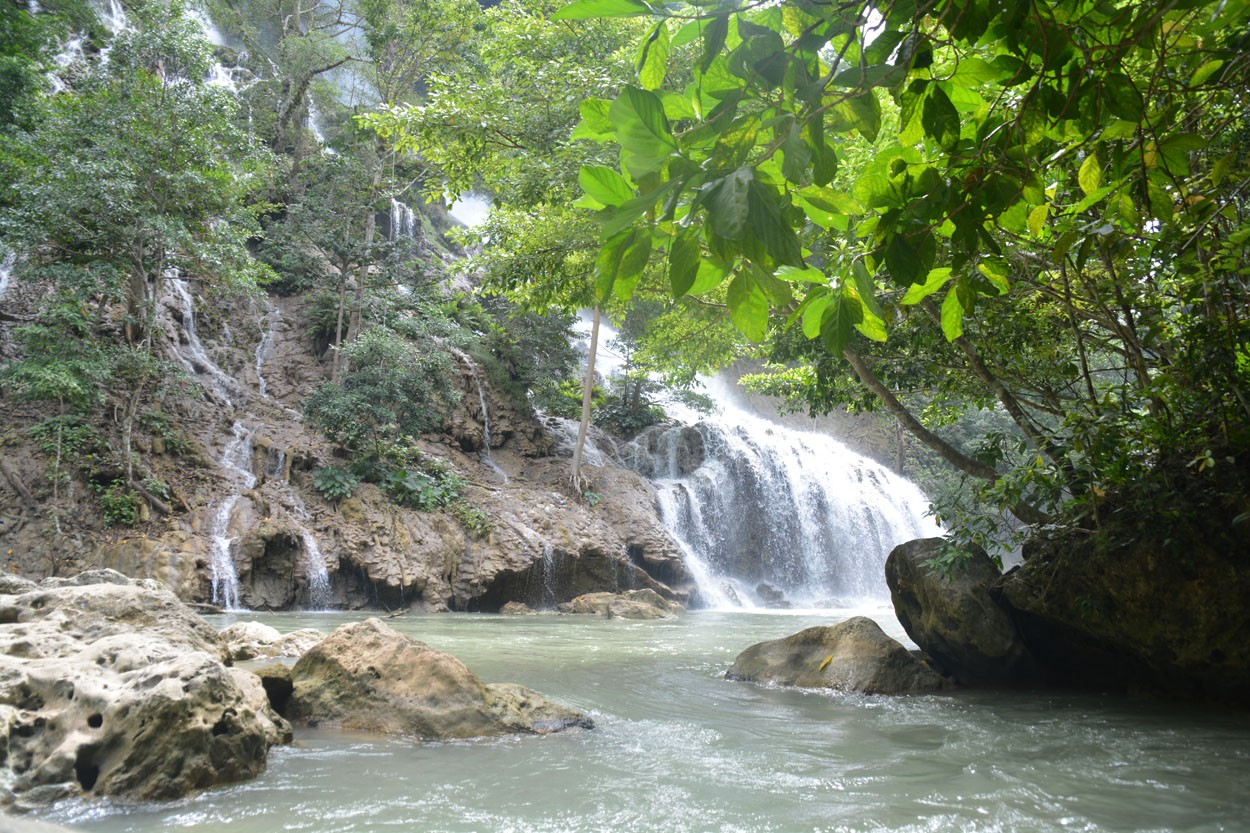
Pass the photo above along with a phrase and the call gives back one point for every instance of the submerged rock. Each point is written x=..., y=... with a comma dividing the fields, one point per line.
x=113, y=687
x=517, y=609
x=368, y=676
x=632, y=604
x=954, y=619
x=853, y=656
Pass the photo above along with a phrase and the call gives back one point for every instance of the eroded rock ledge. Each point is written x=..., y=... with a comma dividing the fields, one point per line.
x=113, y=687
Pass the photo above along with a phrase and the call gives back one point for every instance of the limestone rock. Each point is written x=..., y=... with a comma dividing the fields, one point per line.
x=517, y=609
x=954, y=619
x=368, y=676
x=853, y=656
x=632, y=604
x=252, y=640
x=116, y=689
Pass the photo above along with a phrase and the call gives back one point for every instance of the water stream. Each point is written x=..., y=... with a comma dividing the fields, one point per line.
x=678, y=749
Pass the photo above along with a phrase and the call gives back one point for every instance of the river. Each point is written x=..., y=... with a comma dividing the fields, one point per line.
x=677, y=748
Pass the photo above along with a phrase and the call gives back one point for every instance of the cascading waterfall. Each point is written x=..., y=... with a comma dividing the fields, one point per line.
x=314, y=565
x=236, y=459
x=753, y=502
x=192, y=354
x=403, y=220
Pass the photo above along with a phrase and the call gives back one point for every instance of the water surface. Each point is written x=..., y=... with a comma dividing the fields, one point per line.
x=678, y=749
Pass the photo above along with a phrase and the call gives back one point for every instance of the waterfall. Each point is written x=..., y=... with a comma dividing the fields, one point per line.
x=236, y=459
x=403, y=220
x=760, y=507
x=192, y=354
x=314, y=565
x=6, y=273
x=481, y=398
x=264, y=349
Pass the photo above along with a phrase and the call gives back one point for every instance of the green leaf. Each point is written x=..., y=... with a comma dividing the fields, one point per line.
x=995, y=269
x=714, y=41
x=726, y=200
x=805, y=274
x=605, y=185
x=643, y=131
x=653, y=57
x=595, y=124
x=952, y=316
x=866, y=291
x=910, y=256
x=863, y=113
x=684, y=257
x=1160, y=202
x=797, y=156
x=1203, y=73
x=1122, y=97
x=590, y=9
x=917, y=292
x=1089, y=177
x=620, y=264
x=839, y=322
x=813, y=314
x=940, y=119
x=769, y=229
x=711, y=274
x=748, y=307
x=1037, y=219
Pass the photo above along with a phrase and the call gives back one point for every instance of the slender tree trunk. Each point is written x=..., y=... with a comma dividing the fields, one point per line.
x=588, y=385
x=338, y=328
x=952, y=455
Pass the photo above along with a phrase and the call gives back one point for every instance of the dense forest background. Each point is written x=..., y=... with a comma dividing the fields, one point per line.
x=1016, y=229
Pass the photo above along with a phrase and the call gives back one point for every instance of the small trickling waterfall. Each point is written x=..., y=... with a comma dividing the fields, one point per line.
x=6, y=273
x=236, y=460
x=264, y=349
x=191, y=353
x=768, y=514
x=481, y=398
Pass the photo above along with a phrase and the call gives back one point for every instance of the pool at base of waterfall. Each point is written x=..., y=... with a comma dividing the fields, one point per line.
x=679, y=748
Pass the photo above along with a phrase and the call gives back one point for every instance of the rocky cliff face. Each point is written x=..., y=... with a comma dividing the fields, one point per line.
x=239, y=462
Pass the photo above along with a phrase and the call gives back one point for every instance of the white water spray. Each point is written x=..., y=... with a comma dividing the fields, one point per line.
x=264, y=349
x=236, y=459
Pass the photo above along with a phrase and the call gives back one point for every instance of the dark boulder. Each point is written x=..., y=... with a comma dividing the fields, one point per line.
x=953, y=617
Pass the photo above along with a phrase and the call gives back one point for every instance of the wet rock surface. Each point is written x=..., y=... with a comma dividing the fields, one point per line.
x=113, y=687
x=367, y=676
x=852, y=656
x=632, y=604
x=953, y=617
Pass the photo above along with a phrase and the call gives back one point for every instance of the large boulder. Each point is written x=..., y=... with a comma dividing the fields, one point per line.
x=632, y=604
x=113, y=687
x=368, y=676
x=953, y=617
x=853, y=656
x=1153, y=608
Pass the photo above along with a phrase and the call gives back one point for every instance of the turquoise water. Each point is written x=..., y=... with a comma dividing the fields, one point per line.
x=677, y=748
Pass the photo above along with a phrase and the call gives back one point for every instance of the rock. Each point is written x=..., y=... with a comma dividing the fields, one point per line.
x=632, y=604
x=517, y=609
x=1151, y=606
x=853, y=656
x=250, y=640
x=667, y=450
x=771, y=596
x=954, y=619
x=368, y=676
x=275, y=678
x=117, y=689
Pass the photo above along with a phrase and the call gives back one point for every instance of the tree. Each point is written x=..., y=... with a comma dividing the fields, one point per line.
x=1063, y=230
x=135, y=173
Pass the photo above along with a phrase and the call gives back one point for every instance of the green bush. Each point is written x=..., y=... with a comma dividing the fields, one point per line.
x=334, y=483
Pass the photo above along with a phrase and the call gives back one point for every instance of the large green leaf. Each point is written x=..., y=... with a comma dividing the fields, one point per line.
x=917, y=292
x=684, y=257
x=726, y=200
x=748, y=307
x=838, y=323
x=595, y=124
x=940, y=118
x=604, y=184
x=590, y=9
x=768, y=228
x=1089, y=177
x=1122, y=97
x=910, y=256
x=653, y=57
x=813, y=314
x=621, y=263
x=643, y=131
x=952, y=316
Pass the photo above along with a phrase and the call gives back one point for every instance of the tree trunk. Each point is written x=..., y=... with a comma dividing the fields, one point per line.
x=588, y=386
x=948, y=452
